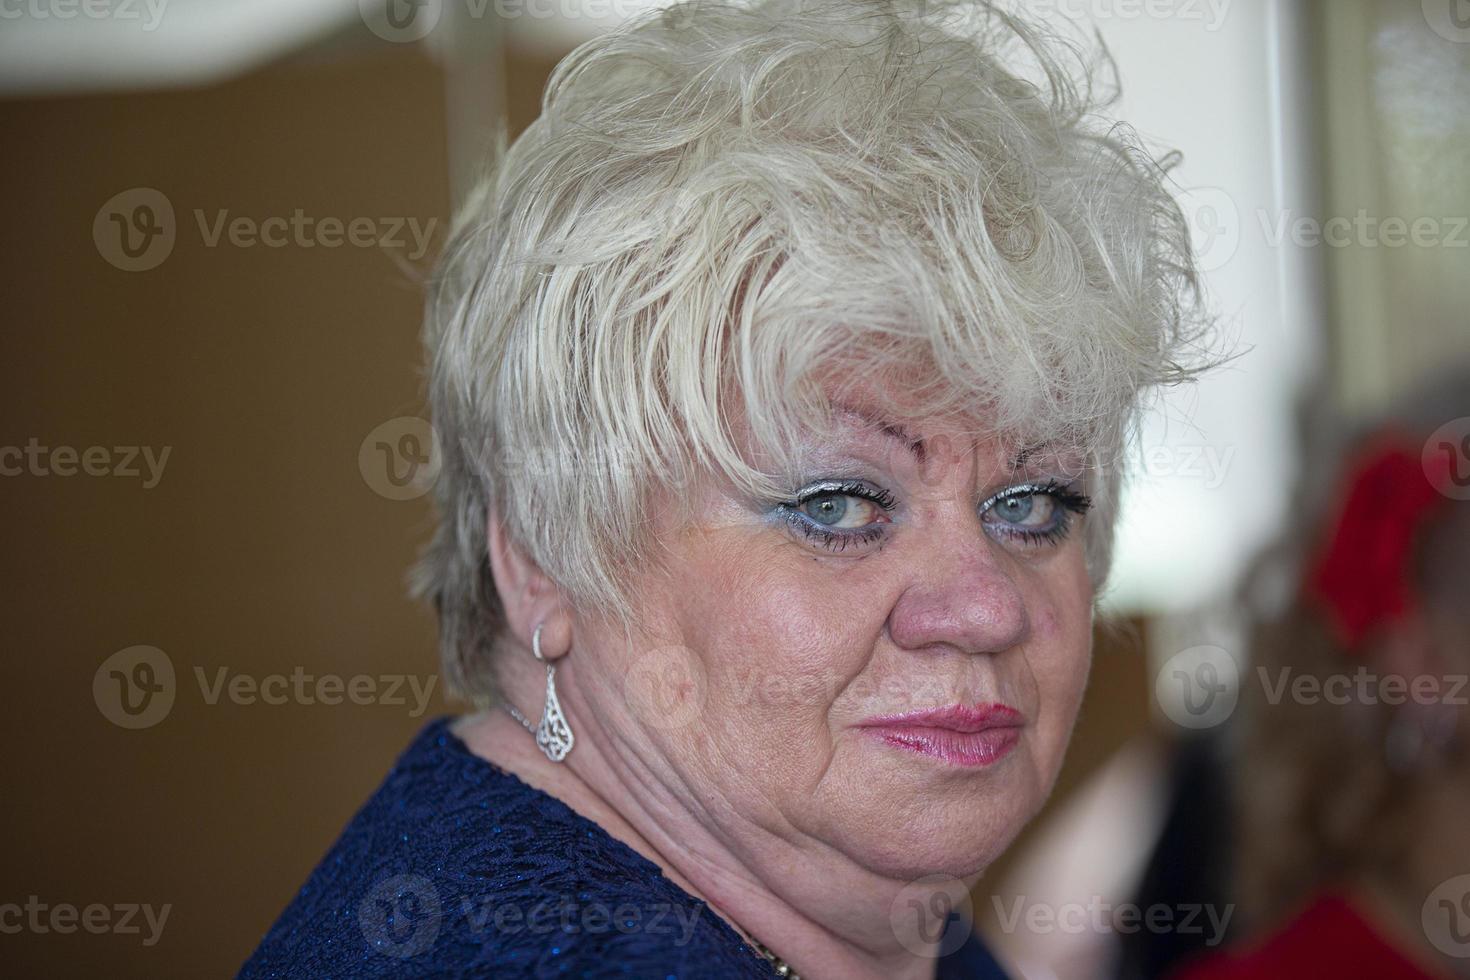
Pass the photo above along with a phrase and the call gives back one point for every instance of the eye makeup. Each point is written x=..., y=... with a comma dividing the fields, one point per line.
x=837, y=514
x=1014, y=510
x=818, y=508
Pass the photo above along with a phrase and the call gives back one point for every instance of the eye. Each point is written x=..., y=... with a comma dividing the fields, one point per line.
x=1025, y=509
x=843, y=511
x=837, y=514
x=1034, y=513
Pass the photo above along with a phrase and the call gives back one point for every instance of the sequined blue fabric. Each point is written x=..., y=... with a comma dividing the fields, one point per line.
x=456, y=868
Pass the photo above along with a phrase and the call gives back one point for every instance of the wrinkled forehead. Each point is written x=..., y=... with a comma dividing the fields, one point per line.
x=882, y=420
x=932, y=442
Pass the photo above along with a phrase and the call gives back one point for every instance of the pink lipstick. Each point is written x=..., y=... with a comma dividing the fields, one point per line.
x=961, y=735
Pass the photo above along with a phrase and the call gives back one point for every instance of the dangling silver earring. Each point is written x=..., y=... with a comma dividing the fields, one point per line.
x=553, y=734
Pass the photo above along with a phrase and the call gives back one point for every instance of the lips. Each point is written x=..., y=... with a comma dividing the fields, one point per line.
x=960, y=734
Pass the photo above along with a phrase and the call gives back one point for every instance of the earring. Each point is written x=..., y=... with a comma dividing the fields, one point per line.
x=553, y=734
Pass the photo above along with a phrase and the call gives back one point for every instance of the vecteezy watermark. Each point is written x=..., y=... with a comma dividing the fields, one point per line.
x=148, y=12
x=402, y=916
x=568, y=915
x=1364, y=230
x=1450, y=19
x=1446, y=459
x=551, y=462
x=1446, y=917
x=666, y=687
x=932, y=916
x=301, y=687
x=34, y=459
x=1208, y=465
x=135, y=230
x=401, y=458
x=1210, y=13
x=1198, y=687
x=1217, y=228
x=1214, y=225
x=1097, y=915
x=403, y=21
x=1363, y=686
x=120, y=919
x=306, y=231
x=136, y=688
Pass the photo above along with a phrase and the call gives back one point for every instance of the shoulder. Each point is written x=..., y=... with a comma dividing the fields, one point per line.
x=455, y=867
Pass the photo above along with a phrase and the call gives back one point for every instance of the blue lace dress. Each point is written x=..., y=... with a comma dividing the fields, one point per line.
x=456, y=868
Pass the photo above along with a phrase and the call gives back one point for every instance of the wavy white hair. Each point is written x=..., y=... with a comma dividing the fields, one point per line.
x=720, y=201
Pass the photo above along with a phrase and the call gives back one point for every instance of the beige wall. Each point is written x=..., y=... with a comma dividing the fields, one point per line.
x=261, y=548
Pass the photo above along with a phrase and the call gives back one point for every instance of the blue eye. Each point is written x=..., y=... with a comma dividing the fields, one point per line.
x=1016, y=509
x=840, y=510
x=837, y=514
x=1034, y=513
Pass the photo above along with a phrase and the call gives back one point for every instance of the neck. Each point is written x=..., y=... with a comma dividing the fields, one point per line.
x=822, y=914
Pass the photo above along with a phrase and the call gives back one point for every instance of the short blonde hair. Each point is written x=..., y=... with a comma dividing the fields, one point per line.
x=719, y=200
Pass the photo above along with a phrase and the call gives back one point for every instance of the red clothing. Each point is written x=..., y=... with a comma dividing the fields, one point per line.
x=1329, y=938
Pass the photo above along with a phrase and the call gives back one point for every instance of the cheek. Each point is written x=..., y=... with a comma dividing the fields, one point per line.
x=1061, y=656
x=777, y=640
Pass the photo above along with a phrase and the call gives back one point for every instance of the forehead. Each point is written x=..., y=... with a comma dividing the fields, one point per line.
x=931, y=439
x=892, y=422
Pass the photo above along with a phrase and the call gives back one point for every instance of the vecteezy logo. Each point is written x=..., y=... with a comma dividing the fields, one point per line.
x=1214, y=225
x=666, y=687
x=1446, y=917
x=1450, y=19
x=134, y=688
x=400, y=20
x=932, y=916
x=1198, y=687
x=400, y=917
x=135, y=229
x=1446, y=459
x=400, y=459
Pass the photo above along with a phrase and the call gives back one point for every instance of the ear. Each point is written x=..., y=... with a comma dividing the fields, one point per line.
x=527, y=594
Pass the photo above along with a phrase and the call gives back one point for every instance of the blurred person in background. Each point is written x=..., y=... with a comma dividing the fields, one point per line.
x=1351, y=758
x=782, y=369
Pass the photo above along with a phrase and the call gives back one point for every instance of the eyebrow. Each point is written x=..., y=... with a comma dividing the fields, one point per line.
x=1026, y=452
x=915, y=446
x=891, y=429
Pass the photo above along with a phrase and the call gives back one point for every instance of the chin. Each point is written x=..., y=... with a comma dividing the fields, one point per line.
x=906, y=829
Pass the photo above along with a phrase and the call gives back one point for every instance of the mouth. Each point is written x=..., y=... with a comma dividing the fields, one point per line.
x=960, y=735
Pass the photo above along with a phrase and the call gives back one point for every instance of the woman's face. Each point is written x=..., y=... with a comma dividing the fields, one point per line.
x=789, y=653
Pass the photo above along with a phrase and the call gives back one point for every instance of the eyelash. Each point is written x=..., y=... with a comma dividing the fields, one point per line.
x=826, y=537
x=1068, y=501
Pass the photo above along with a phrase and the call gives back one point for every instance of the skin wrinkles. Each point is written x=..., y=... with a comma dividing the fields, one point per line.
x=935, y=507
x=770, y=801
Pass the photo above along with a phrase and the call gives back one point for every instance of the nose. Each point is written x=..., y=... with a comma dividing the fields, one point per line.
x=962, y=597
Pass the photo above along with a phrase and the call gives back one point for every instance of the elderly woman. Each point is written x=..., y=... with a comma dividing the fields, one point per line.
x=782, y=370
